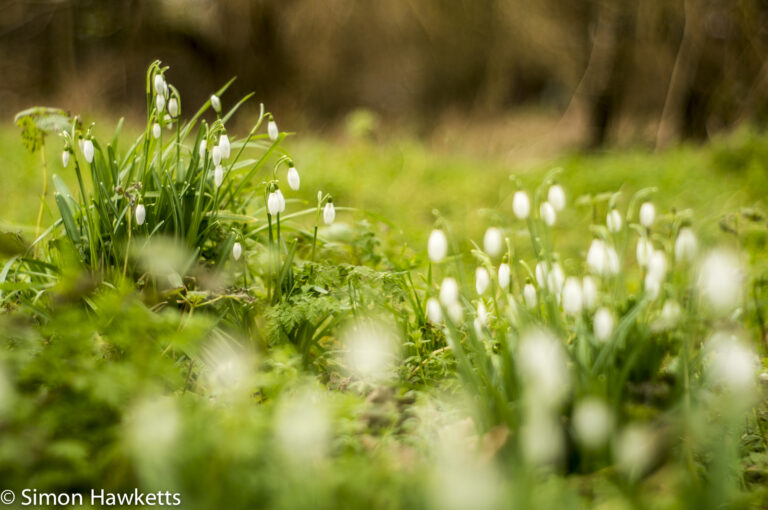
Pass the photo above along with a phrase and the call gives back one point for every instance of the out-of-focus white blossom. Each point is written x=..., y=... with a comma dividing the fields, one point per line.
x=720, y=281
x=156, y=131
x=602, y=258
x=643, y=251
x=556, y=197
x=521, y=204
x=216, y=103
x=218, y=175
x=493, y=241
x=592, y=423
x=272, y=130
x=613, y=221
x=547, y=213
x=482, y=280
x=543, y=365
x=504, y=276
x=732, y=363
x=302, y=426
x=647, y=214
x=634, y=450
x=434, y=312
x=329, y=213
x=216, y=155
x=88, y=150
x=589, y=291
x=572, y=296
x=201, y=149
x=555, y=279
x=686, y=245
x=529, y=295
x=542, y=439
x=173, y=107
x=65, y=159
x=437, y=246
x=449, y=291
x=224, y=146
x=141, y=214
x=294, y=181
x=603, y=324
x=371, y=351
x=237, y=250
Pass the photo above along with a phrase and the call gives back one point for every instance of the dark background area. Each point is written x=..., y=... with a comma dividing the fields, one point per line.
x=673, y=69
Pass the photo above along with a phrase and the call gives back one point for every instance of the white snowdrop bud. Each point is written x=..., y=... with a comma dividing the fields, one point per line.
x=686, y=245
x=589, y=291
x=482, y=314
x=88, y=150
x=634, y=450
x=434, y=313
x=555, y=279
x=273, y=204
x=521, y=204
x=65, y=159
x=529, y=295
x=647, y=214
x=603, y=324
x=547, y=213
x=572, y=298
x=449, y=291
x=720, y=281
x=493, y=241
x=592, y=423
x=597, y=257
x=544, y=368
x=456, y=311
x=329, y=213
x=613, y=221
x=156, y=130
x=657, y=265
x=141, y=214
x=294, y=181
x=482, y=280
x=670, y=312
x=173, y=107
x=280, y=201
x=504, y=274
x=644, y=251
x=541, y=275
x=272, y=130
x=218, y=175
x=160, y=86
x=224, y=146
x=319, y=196
x=237, y=250
x=160, y=103
x=216, y=103
x=613, y=260
x=216, y=155
x=201, y=149
x=733, y=364
x=556, y=197
x=437, y=246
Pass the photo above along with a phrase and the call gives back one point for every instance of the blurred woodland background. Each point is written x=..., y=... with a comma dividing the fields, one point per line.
x=653, y=71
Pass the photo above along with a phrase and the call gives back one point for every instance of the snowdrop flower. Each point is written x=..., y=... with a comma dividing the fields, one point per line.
x=647, y=214
x=293, y=178
x=634, y=450
x=437, y=246
x=555, y=279
x=529, y=294
x=592, y=423
x=572, y=298
x=281, y=201
x=602, y=258
x=216, y=103
x=156, y=130
x=613, y=221
x=224, y=146
x=201, y=149
x=329, y=213
x=670, y=313
x=657, y=269
x=493, y=241
x=543, y=365
x=216, y=155
x=541, y=439
x=643, y=251
x=434, y=312
x=371, y=351
x=273, y=204
x=547, y=213
x=482, y=280
x=218, y=175
x=482, y=314
x=686, y=245
x=541, y=275
x=141, y=214
x=589, y=291
x=603, y=324
x=733, y=364
x=720, y=281
x=160, y=103
x=88, y=150
x=613, y=260
x=456, y=311
x=556, y=197
x=504, y=274
x=272, y=130
x=237, y=250
x=65, y=159
x=449, y=291
x=173, y=107
x=160, y=87
x=521, y=204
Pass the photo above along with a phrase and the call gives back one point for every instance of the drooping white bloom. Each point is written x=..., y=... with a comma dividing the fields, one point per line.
x=456, y=311
x=201, y=149
x=218, y=175
x=670, y=313
x=482, y=314
x=589, y=291
x=644, y=251
x=216, y=155
x=529, y=294
x=603, y=323
x=160, y=103
x=613, y=221
x=647, y=214
x=437, y=246
x=634, y=450
x=88, y=150
x=504, y=274
x=541, y=439
x=556, y=197
x=541, y=275
x=141, y=214
x=732, y=364
x=720, y=280
x=273, y=204
x=371, y=351
x=160, y=87
x=686, y=245
x=482, y=280
x=602, y=258
x=237, y=250
x=272, y=130
x=173, y=107
x=224, y=146
x=434, y=312
x=613, y=260
x=493, y=241
x=65, y=159
x=572, y=298
x=216, y=103
x=657, y=265
x=294, y=181
x=281, y=201
x=449, y=291
x=329, y=213
x=592, y=423
x=543, y=365
x=555, y=279
x=547, y=213
x=156, y=131
x=521, y=204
